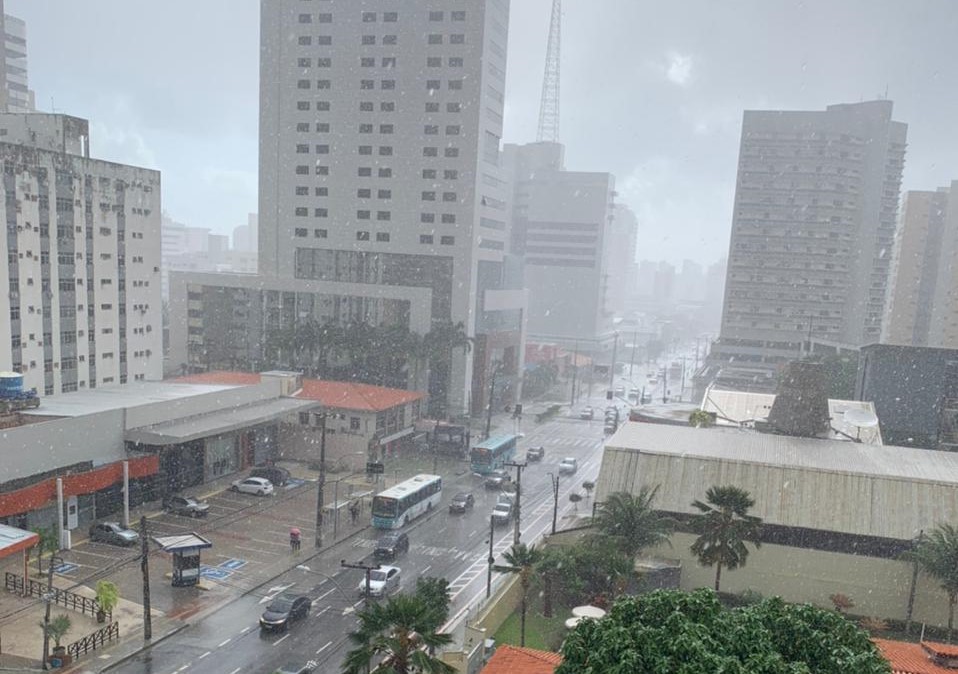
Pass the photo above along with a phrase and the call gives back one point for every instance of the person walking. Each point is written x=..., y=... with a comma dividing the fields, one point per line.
x=295, y=539
x=354, y=512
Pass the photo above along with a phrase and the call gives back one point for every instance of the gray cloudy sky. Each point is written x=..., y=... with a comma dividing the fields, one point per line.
x=651, y=91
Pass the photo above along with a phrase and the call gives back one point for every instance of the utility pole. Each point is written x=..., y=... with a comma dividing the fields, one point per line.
x=665, y=384
x=321, y=496
x=519, y=467
x=492, y=393
x=555, y=499
x=575, y=368
x=635, y=339
x=46, y=616
x=682, y=390
x=367, y=569
x=145, y=570
x=615, y=347
x=492, y=559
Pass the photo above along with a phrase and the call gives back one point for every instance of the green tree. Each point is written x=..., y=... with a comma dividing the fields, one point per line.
x=439, y=344
x=57, y=628
x=630, y=521
x=47, y=543
x=691, y=633
x=435, y=592
x=558, y=577
x=522, y=560
x=395, y=631
x=724, y=526
x=937, y=556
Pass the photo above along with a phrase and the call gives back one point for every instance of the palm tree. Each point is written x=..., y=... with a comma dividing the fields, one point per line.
x=631, y=522
x=724, y=527
x=439, y=344
x=937, y=555
x=556, y=571
x=396, y=631
x=522, y=560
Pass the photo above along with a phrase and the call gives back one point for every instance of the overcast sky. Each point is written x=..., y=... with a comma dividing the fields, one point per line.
x=651, y=91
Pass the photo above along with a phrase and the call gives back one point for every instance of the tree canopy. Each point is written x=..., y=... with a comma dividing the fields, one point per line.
x=692, y=633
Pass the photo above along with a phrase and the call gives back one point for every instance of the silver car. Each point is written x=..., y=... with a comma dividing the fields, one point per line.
x=253, y=485
x=568, y=465
x=382, y=581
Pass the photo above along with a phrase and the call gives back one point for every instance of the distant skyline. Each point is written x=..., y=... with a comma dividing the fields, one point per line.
x=656, y=97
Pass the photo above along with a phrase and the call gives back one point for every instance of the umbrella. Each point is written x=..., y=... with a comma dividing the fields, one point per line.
x=295, y=531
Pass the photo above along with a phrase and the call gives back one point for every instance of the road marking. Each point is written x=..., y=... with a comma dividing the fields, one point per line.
x=186, y=666
x=281, y=640
x=356, y=605
x=236, y=670
x=246, y=629
x=223, y=643
x=324, y=648
x=204, y=655
x=423, y=572
x=473, y=533
x=325, y=594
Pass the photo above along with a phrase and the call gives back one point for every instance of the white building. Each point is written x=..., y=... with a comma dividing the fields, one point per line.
x=246, y=237
x=81, y=257
x=380, y=125
x=196, y=249
x=15, y=94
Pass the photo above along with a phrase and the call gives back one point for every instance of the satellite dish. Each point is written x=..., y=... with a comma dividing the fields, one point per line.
x=860, y=418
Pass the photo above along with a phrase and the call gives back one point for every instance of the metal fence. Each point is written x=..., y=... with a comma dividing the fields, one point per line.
x=34, y=588
x=93, y=641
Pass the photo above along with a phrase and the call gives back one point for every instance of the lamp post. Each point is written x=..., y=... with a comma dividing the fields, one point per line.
x=497, y=367
x=555, y=499
x=575, y=368
x=48, y=597
x=303, y=567
x=492, y=559
x=367, y=568
x=615, y=347
x=320, y=496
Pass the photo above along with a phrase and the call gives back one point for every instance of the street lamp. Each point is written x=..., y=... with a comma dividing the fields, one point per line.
x=555, y=499
x=497, y=368
x=49, y=597
x=303, y=567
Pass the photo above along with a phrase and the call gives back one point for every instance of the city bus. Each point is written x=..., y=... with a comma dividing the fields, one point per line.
x=493, y=453
x=399, y=504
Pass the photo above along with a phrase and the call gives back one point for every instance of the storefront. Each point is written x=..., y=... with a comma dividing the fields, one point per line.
x=222, y=457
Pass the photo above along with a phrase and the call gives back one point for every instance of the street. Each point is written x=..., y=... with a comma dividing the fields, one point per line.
x=442, y=544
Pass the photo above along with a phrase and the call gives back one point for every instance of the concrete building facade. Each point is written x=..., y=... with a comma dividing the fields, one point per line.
x=812, y=235
x=81, y=257
x=919, y=295
x=380, y=127
x=562, y=227
x=15, y=92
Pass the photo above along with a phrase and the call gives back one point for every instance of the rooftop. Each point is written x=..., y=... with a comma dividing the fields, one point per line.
x=519, y=660
x=354, y=396
x=910, y=658
x=812, y=454
x=220, y=378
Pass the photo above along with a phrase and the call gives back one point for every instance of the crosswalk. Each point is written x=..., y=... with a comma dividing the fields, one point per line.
x=563, y=441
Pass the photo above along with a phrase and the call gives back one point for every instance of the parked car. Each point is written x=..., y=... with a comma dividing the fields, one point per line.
x=568, y=465
x=588, y=413
x=634, y=393
x=535, y=453
x=498, y=479
x=461, y=502
x=253, y=485
x=382, y=581
x=620, y=391
x=114, y=534
x=278, y=476
x=390, y=545
x=505, y=497
x=186, y=506
x=295, y=668
x=284, y=609
x=647, y=398
x=502, y=513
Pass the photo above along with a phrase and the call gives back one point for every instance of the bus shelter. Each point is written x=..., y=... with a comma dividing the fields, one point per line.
x=185, y=549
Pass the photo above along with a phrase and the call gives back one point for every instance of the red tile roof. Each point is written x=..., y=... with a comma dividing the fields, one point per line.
x=515, y=660
x=220, y=378
x=353, y=396
x=910, y=658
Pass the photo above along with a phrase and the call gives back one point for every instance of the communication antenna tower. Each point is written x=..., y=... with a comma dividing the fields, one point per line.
x=549, y=105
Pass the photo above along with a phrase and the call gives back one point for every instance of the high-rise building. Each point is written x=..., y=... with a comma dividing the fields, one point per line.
x=245, y=237
x=561, y=224
x=380, y=125
x=919, y=291
x=81, y=257
x=620, y=249
x=812, y=235
x=15, y=94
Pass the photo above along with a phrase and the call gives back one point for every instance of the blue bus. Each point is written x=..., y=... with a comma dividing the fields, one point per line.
x=405, y=501
x=492, y=453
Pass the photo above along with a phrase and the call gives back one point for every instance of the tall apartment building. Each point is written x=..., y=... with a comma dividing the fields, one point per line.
x=81, y=257
x=380, y=184
x=562, y=226
x=919, y=292
x=812, y=235
x=15, y=94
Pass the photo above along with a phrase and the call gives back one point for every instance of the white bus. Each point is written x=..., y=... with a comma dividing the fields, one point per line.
x=406, y=501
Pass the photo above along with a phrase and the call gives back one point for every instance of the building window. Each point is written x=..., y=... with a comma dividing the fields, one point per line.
x=429, y=174
x=386, y=128
x=320, y=213
x=426, y=238
x=305, y=18
x=384, y=194
x=322, y=127
x=366, y=106
x=321, y=191
x=390, y=17
x=326, y=18
x=303, y=62
x=369, y=17
x=457, y=38
x=324, y=40
x=324, y=62
x=451, y=152
x=388, y=62
x=367, y=62
x=305, y=40
x=385, y=173
x=448, y=219
x=435, y=16
x=389, y=39
x=459, y=16
x=430, y=152
x=302, y=127
x=382, y=237
x=452, y=129
x=354, y=423
x=303, y=84
x=322, y=149
x=362, y=215
x=431, y=129
x=387, y=106
x=302, y=105
x=323, y=84
x=322, y=106
x=432, y=85
x=385, y=150
x=364, y=193
x=302, y=211
x=453, y=107
x=448, y=196
x=302, y=149
x=434, y=62
x=320, y=233
x=428, y=196
x=447, y=240
x=455, y=85
x=387, y=84
x=302, y=170
x=365, y=128
x=383, y=215
x=367, y=84
x=427, y=218
x=365, y=172
x=369, y=39
x=455, y=62
x=362, y=236
x=322, y=170
x=450, y=174
x=365, y=149
x=432, y=106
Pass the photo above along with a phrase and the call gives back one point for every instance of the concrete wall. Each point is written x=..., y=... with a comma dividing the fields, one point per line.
x=344, y=451
x=879, y=587
x=170, y=410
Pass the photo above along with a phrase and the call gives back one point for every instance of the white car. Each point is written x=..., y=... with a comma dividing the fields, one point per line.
x=382, y=581
x=253, y=485
x=568, y=465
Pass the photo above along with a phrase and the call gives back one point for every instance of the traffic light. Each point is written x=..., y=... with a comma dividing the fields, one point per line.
x=608, y=395
x=518, y=412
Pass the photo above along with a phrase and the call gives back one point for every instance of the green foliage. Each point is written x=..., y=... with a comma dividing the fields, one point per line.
x=691, y=633
x=724, y=526
x=630, y=521
x=937, y=555
x=557, y=575
x=394, y=631
x=107, y=595
x=57, y=628
x=435, y=593
x=523, y=560
x=601, y=571
x=701, y=419
x=48, y=542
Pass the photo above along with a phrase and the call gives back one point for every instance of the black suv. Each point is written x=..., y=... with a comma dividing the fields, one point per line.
x=535, y=453
x=284, y=609
x=185, y=505
x=391, y=544
x=278, y=476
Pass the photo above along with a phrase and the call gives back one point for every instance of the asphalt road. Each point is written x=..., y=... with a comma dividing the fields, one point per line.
x=455, y=547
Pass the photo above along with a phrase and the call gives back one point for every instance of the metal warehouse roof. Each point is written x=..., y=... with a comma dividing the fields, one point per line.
x=813, y=454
